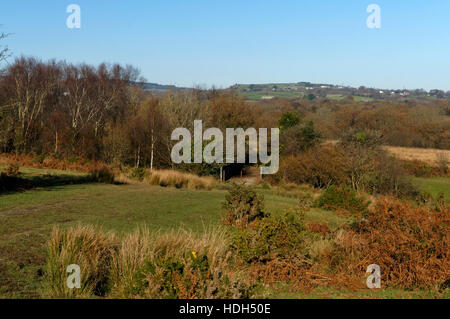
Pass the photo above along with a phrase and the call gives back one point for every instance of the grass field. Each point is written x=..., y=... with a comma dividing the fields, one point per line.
x=257, y=95
x=435, y=186
x=356, y=98
x=27, y=218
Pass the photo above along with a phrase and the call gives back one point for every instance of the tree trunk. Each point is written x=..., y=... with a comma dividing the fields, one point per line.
x=56, y=142
x=138, y=157
x=152, y=152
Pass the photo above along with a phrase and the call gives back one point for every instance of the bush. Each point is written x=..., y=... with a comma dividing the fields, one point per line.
x=85, y=246
x=243, y=205
x=103, y=174
x=274, y=237
x=335, y=198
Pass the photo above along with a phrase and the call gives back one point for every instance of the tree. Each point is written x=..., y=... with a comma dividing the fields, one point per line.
x=362, y=149
x=299, y=138
x=146, y=132
x=288, y=120
x=30, y=84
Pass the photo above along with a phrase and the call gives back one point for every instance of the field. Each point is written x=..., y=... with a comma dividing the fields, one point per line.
x=427, y=155
x=435, y=186
x=27, y=218
x=258, y=95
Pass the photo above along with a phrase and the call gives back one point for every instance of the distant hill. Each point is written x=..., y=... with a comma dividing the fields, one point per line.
x=155, y=87
x=332, y=92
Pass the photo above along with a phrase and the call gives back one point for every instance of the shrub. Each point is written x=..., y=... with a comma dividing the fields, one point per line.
x=85, y=246
x=335, y=198
x=274, y=237
x=177, y=265
x=104, y=174
x=243, y=205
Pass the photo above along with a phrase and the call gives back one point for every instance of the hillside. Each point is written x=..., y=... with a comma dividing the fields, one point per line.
x=333, y=92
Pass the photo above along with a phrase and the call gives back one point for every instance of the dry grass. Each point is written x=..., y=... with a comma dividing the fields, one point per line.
x=179, y=180
x=88, y=247
x=176, y=264
x=427, y=155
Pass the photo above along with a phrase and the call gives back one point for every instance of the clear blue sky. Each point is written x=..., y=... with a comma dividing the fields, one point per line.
x=222, y=42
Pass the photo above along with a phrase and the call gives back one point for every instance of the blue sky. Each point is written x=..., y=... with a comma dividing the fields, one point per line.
x=218, y=42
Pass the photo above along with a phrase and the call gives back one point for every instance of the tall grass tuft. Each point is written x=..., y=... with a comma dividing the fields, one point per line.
x=102, y=174
x=88, y=247
x=179, y=180
x=177, y=264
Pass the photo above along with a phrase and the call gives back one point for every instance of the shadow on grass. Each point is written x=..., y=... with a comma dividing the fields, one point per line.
x=16, y=183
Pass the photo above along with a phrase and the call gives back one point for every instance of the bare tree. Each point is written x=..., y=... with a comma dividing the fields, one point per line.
x=146, y=133
x=30, y=84
x=4, y=51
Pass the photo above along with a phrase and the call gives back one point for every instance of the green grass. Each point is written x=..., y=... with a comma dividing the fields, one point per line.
x=434, y=186
x=29, y=172
x=257, y=95
x=338, y=97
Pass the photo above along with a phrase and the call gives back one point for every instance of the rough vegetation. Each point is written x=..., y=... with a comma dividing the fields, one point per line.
x=143, y=265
